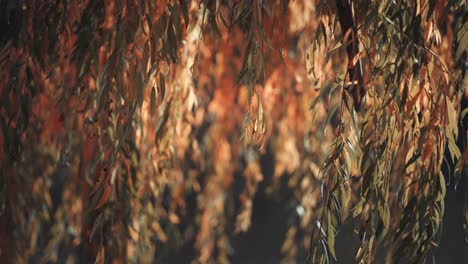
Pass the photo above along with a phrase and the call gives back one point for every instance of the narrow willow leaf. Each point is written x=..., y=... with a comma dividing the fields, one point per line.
x=225, y=23
x=331, y=113
x=443, y=187
x=326, y=256
x=385, y=218
x=413, y=159
x=333, y=87
x=334, y=48
x=162, y=86
x=153, y=101
x=337, y=207
x=404, y=97
x=162, y=122
x=451, y=112
x=153, y=68
x=314, y=102
x=330, y=235
x=462, y=36
x=351, y=148
x=264, y=36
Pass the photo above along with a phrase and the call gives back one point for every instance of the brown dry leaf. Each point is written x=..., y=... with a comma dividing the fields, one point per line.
x=428, y=32
x=355, y=59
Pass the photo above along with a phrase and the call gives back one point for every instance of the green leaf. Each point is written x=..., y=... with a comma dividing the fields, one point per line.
x=453, y=148
x=264, y=36
x=337, y=207
x=451, y=112
x=384, y=211
x=462, y=36
x=333, y=87
x=331, y=113
x=330, y=235
x=443, y=188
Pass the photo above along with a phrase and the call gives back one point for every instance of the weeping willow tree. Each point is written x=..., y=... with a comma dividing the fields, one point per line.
x=131, y=129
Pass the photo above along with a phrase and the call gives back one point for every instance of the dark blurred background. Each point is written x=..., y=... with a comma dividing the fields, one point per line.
x=262, y=243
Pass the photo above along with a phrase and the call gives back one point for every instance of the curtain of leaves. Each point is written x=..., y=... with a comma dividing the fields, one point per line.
x=396, y=139
x=121, y=124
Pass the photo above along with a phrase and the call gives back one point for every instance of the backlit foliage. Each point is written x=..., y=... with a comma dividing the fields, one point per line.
x=131, y=129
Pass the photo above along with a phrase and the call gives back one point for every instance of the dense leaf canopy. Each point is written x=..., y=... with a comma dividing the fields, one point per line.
x=131, y=129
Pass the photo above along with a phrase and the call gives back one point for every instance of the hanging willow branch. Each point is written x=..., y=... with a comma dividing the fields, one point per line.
x=344, y=11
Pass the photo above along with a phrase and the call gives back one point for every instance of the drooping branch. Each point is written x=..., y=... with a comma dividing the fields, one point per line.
x=350, y=40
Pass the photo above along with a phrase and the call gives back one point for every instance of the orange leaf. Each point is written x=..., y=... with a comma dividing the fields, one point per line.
x=105, y=195
x=100, y=257
x=355, y=59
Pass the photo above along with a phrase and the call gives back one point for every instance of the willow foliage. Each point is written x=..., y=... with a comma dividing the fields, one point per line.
x=121, y=123
x=398, y=140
